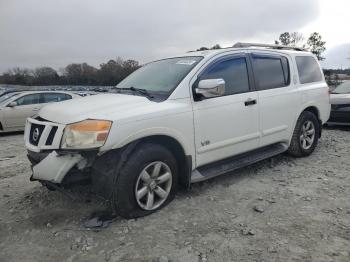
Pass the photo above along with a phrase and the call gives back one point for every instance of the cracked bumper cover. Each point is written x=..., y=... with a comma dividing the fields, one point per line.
x=54, y=167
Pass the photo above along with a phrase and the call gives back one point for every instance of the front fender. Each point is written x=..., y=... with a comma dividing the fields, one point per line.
x=154, y=131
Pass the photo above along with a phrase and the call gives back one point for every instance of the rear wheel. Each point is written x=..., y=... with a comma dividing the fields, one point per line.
x=147, y=182
x=305, y=136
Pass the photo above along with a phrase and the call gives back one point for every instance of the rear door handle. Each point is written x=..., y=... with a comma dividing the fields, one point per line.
x=250, y=102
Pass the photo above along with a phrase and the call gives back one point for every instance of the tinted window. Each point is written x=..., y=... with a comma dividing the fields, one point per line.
x=271, y=71
x=28, y=100
x=55, y=97
x=234, y=72
x=308, y=69
x=286, y=71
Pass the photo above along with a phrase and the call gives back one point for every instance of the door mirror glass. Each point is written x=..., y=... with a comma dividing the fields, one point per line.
x=12, y=104
x=211, y=87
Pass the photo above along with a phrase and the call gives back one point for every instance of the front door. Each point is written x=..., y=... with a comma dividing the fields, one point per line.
x=229, y=124
x=27, y=106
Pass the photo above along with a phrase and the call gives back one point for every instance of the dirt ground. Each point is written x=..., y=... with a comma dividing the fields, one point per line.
x=284, y=209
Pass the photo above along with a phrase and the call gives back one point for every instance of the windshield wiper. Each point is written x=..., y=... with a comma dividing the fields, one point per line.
x=141, y=91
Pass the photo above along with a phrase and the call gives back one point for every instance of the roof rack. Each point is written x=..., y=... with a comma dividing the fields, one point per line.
x=240, y=45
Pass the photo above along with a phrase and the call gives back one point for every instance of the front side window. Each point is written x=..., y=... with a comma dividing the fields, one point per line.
x=28, y=100
x=271, y=71
x=309, y=70
x=161, y=76
x=235, y=73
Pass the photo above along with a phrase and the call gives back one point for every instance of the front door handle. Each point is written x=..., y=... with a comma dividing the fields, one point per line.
x=250, y=102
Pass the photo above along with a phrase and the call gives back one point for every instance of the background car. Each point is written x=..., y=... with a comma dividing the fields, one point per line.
x=8, y=95
x=86, y=93
x=16, y=107
x=340, y=101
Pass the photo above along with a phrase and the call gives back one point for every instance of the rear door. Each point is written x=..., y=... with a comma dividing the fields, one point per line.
x=27, y=106
x=278, y=97
x=229, y=124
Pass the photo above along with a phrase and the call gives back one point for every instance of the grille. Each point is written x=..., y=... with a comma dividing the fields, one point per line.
x=51, y=136
x=35, y=133
x=41, y=134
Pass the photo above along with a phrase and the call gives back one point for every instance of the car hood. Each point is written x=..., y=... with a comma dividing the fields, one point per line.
x=105, y=106
x=336, y=99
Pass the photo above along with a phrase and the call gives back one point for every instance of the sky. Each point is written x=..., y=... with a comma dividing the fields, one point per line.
x=59, y=32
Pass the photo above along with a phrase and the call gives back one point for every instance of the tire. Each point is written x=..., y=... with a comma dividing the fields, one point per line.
x=132, y=178
x=50, y=188
x=302, y=143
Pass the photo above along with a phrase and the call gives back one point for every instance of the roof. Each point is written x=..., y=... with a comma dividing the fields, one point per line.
x=251, y=46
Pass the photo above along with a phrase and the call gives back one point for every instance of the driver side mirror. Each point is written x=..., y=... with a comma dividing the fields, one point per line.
x=211, y=87
x=12, y=104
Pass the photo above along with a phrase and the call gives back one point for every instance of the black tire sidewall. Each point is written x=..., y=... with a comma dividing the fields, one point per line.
x=124, y=198
x=306, y=116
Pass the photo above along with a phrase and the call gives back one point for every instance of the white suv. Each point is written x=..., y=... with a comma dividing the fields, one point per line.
x=179, y=121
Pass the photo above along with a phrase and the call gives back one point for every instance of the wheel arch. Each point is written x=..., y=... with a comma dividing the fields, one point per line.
x=314, y=110
x=115, y=158
x=184, y=160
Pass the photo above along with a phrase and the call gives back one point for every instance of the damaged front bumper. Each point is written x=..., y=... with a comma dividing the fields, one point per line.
x=61, y=167
x=54, y=167
x=49, y=162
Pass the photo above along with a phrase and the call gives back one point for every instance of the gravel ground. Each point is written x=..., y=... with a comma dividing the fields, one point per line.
x=284, y=209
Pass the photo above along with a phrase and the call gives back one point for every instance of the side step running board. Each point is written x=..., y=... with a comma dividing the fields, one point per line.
x=233, y=163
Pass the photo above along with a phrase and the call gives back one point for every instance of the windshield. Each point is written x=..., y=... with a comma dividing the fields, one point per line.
x=343, y=88
x=3, y=98
x=160, y=76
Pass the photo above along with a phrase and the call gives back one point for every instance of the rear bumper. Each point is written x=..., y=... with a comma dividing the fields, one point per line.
x=339, y=117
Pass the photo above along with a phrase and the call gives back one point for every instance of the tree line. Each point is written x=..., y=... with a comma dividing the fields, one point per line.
x=112, y=72
x=108, y=74
x=314, y=43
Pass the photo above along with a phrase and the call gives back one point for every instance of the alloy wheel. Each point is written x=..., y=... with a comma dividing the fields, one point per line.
x=153, y=185
x=307, y=135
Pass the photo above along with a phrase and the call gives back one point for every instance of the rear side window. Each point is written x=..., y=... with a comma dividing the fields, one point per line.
x=55, y=97
x=271, y=71
x=308, y=69
x=235, y=73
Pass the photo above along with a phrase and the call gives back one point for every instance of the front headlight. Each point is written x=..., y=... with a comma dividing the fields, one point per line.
x=86, y=134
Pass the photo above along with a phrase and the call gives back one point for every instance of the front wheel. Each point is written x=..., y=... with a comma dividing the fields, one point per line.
x=305, y=136
x=147, y=182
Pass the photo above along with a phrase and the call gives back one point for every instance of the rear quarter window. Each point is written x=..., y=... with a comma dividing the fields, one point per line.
x=308, y=69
